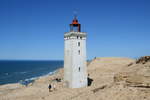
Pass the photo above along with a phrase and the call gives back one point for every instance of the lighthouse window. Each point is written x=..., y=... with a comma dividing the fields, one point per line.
x=79, y=69
x=78, y=43
x=79, y=52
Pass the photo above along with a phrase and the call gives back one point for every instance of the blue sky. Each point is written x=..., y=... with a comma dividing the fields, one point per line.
x=34, y=29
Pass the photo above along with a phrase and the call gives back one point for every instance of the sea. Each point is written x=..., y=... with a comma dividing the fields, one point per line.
x=25, y=72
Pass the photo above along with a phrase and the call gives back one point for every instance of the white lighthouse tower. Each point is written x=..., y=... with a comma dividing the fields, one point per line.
x=75, y=71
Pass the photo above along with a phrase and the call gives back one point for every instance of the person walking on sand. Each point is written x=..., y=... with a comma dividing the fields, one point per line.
x=54, y=87
x=50, y=88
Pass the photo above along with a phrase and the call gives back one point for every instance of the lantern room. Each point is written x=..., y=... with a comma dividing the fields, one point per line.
x=75, y=26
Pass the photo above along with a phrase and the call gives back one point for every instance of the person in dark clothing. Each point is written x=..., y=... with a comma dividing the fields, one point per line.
x=50, y=87
x=90, y=80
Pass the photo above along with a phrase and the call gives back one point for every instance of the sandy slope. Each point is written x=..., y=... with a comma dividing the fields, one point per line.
x=101, y=70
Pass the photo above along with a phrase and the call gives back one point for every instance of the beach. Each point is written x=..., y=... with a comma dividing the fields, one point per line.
x=102, y=71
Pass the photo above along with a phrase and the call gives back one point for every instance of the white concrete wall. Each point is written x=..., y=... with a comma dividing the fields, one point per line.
x=73, y=60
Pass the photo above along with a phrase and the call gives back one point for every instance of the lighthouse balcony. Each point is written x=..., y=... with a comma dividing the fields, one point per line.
x=74, y=34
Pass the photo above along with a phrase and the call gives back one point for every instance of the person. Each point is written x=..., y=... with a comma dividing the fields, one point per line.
x=54, y=87
x=50, y=87
x=90, y=80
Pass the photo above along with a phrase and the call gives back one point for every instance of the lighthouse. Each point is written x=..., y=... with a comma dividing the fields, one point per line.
x=75, y=67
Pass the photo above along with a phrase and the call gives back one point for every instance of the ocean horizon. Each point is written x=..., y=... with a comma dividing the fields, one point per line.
x=26, y=71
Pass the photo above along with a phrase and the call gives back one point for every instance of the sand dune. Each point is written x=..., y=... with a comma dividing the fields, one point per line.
x=103, y=87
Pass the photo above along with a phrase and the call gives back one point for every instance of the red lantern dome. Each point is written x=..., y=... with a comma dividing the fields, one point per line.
x=75, y=26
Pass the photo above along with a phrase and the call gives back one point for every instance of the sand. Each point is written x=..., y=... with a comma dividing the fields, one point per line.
x=103, y=87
